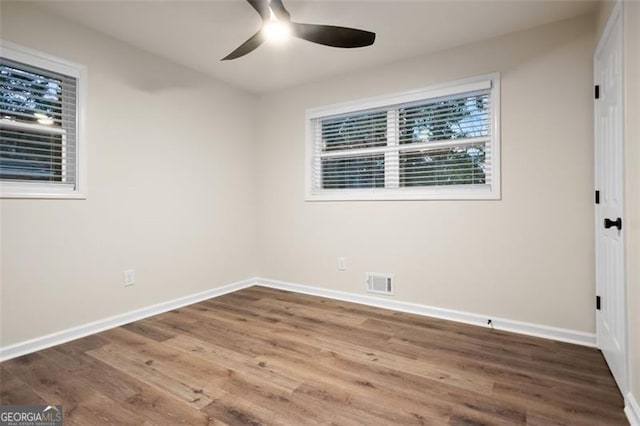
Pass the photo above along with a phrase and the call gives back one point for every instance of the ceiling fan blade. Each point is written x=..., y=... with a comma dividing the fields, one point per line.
x=329, y=35
x=278, y=9
x=248, y=46
x=262, y=7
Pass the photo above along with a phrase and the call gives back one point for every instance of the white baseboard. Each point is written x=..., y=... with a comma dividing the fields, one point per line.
x=547, y=332
x=73, y=333
x=57, y=338
x=632, y=410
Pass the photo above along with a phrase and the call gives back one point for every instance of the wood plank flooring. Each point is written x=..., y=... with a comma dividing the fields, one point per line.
x=263, y=356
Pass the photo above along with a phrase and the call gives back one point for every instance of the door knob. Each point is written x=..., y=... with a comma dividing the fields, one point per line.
x=608, y=223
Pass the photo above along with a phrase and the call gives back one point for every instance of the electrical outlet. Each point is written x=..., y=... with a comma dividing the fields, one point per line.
x=129, y=277
x=341, y=263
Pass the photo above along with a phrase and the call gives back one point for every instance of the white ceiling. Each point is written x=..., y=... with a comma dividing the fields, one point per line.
x=198, y=33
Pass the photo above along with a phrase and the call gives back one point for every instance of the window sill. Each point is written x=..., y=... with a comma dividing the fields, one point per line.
x=406, y=194
x=20, y=190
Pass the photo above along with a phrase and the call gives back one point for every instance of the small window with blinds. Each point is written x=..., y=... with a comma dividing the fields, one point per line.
x=437, y=143
x=40, y=150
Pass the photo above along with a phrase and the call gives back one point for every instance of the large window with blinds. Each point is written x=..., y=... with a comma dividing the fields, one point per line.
x=436, y=143
x=41, y=151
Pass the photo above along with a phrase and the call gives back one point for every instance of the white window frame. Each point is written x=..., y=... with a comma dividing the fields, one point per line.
x=11, y=189
x=491, y=81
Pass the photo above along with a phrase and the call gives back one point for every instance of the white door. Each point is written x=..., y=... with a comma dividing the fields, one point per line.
x=610, y=282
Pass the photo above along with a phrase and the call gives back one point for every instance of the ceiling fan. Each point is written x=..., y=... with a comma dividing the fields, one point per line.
x=276, y=23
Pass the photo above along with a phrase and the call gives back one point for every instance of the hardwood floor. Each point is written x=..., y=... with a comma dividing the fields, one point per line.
x=263, y=356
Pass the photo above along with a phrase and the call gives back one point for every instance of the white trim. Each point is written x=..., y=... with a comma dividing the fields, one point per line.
x=471, y=84
x=491, y=191
x=57, y=338
x=73, y=333
x=632, y=410
x=39, y=190
x=530, y=329
x=48, y=62
x=82, y=156
x=463, y=192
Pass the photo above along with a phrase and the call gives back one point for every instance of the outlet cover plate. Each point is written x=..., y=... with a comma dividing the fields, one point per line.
x=129, y=277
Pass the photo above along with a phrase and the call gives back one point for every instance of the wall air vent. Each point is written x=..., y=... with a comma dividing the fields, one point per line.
x=379, y=283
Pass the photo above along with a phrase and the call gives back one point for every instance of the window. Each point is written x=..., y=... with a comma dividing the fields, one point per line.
x=41, y=146
x=437, y=143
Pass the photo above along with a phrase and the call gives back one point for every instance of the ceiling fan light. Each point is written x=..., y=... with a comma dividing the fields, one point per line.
x=277, y=27
x=275, y=30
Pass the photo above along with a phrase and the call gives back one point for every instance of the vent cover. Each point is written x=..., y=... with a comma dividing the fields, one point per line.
x=379, y=283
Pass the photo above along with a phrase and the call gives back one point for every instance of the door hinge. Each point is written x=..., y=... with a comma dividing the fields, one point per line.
x=597, y=197
x=598, y=302
x=597, y=91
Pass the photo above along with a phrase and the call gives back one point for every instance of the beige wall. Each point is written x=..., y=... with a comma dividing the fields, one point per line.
x=171, y=189
x=173, y=193
x=528, y=257
x=167, y=212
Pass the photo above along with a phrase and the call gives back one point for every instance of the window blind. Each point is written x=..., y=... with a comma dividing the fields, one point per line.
x=38, y=124
x=444, y=143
